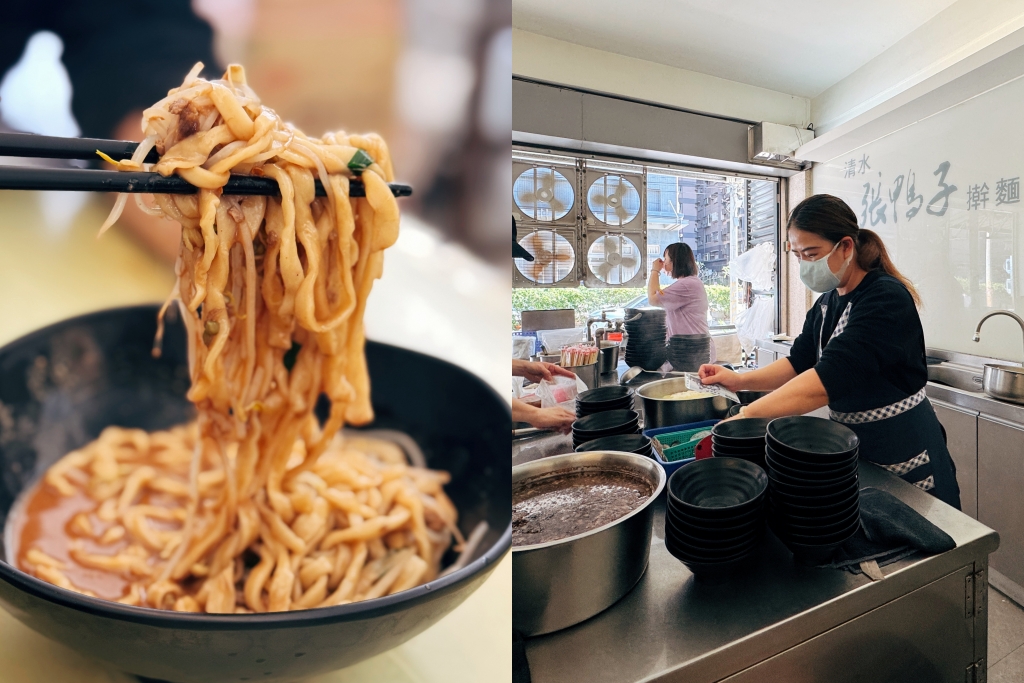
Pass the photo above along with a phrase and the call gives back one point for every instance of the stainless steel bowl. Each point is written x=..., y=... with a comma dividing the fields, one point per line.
x=1005, y=382
x=662, y=412
x=563, y=582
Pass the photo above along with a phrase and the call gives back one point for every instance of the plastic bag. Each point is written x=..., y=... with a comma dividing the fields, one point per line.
x=522, y=347
x=757, y=322
x=756, y=265
x=554, y=340
x=560, y=391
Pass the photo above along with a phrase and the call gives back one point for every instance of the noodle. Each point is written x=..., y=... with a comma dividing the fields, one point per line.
x=255, y=507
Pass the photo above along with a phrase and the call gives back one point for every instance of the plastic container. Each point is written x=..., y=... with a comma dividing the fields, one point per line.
x=671, y=467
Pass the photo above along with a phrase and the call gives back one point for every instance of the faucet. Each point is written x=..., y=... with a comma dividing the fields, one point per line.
x=977, y=330
x=591, y=321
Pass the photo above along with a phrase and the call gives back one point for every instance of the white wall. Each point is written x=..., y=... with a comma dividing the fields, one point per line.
x=966, y=259
x=556, y=61
x=961, y=30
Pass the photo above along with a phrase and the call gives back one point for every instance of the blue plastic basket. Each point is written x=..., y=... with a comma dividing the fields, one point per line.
x=671, y=467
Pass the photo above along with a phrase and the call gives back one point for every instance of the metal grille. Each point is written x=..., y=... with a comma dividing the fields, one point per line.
x=762, y=212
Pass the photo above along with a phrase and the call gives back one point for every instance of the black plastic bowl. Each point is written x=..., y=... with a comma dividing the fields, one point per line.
x=802, y=436
x=742, y=432
x=717, y=487
x=627, y=443
x=65, y=383
x=604, y=395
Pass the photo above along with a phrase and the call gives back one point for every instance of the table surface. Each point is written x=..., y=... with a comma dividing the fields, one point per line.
x=434, y=298
x=671, y=620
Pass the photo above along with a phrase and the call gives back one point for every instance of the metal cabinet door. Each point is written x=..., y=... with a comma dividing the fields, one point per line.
x=1001, y=492
x=962, y=440
x=921, y=637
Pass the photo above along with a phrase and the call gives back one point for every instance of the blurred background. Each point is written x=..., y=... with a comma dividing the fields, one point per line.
x=432, y=76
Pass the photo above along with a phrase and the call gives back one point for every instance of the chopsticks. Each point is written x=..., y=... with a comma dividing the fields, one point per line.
x=90, y=180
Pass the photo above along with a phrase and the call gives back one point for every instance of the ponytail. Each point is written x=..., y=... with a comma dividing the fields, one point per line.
x=831, y=218
x=872, y=255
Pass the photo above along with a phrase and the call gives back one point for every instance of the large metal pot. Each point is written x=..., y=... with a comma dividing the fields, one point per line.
x=1005, y=382
x=564, y=582
x=662, y=412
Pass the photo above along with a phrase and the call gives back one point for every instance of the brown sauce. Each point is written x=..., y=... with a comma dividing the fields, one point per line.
x=550, y=508
x=41, y=519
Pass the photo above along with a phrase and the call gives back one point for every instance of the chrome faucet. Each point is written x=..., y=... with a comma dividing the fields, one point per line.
x=977, y=330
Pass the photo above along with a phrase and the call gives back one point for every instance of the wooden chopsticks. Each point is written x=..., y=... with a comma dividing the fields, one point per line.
x=89, y=180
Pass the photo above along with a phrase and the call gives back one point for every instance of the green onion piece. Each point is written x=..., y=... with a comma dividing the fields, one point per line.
x=359, y=162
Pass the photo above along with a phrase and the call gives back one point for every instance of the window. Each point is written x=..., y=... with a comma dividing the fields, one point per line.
x=718, y=216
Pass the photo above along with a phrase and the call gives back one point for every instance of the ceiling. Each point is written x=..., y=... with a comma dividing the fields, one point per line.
x=799, y=47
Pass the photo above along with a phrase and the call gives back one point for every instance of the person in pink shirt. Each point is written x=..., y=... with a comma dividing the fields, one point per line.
x=685, y=301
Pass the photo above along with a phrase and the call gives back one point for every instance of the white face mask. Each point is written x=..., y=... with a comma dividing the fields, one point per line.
x=818, y=277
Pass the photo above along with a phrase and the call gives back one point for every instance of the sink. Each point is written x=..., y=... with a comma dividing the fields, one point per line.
x=963, y=377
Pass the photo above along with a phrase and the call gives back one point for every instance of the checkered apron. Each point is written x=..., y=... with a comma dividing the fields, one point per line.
x=915, y=470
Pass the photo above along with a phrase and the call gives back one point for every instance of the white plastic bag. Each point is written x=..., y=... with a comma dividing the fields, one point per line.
x=522, y=347
x=560, y=391
x=554, y=340
x=756, y=265
x=757, y=322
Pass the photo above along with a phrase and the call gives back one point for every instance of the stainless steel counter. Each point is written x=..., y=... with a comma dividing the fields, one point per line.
x=782, y=621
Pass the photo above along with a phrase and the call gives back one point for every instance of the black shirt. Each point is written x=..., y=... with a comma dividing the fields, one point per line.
x=879, y=357
x=121, y=55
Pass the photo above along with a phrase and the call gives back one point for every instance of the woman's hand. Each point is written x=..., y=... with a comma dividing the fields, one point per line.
x=535, y=372
x=556, y=419
x=657, y=265
x=723, y=377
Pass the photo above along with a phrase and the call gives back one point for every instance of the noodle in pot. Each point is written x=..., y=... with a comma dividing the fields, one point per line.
x=255, y=506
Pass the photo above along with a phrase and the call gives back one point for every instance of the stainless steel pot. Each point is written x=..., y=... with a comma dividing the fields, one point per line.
x=661, y=412
x=561, y=583
x=1005, y=382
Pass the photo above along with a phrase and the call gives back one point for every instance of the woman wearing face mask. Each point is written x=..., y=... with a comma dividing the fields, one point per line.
x=861, y=351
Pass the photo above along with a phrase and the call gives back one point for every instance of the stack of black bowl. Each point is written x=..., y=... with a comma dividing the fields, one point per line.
x=607, y=423
x=626, y=443
x=743, y=438
x=687, y=352
x=715, y=513
x=814, y=489
x=603, y=398
x=646, y=345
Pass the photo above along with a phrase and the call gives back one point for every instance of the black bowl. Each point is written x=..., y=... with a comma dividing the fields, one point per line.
x=747, y=397
x=109, y=377
x=721, y=523
x=583, y=436
x=684, y=551
x=828, y=536
x=817, y=530
x=604, y=395
x=628, y=443
x=607, y=419
x=824, y=512
x=732, y=452
x=802, y=436
x=840, y=488
x=807, y=506
x=813, y=520
x=742, y=432
x=717, y=487
x=815, y=554
x=805, y=470
x=583, y=412
x=776, y=475
x=699, y=538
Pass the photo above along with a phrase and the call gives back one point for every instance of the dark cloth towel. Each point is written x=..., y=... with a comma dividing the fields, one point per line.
x=890, y=530
x=520, y=667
